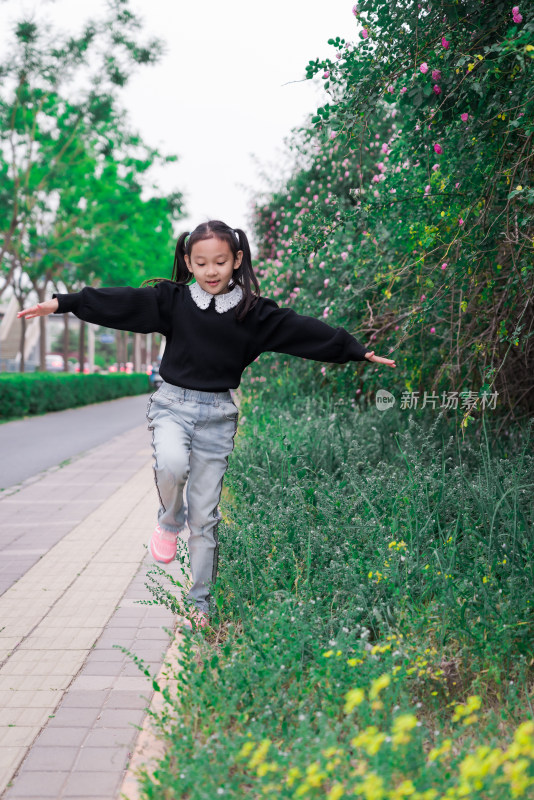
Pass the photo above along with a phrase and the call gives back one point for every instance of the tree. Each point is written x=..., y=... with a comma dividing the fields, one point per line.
x=72, y=168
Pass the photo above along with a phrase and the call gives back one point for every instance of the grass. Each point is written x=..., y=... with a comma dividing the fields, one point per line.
x=373, y=626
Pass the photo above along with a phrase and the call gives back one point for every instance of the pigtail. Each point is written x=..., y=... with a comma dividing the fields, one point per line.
x=180, y=273
x=245, y=277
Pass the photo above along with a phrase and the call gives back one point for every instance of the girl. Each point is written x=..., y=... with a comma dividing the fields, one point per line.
x=214, y=328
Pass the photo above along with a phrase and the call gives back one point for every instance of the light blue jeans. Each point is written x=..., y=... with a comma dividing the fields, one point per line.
x=192, y=436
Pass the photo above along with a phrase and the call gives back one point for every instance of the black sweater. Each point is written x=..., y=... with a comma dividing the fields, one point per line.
x=206, y=349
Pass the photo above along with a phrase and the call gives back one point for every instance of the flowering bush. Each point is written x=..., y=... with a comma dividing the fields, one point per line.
x=459, y=90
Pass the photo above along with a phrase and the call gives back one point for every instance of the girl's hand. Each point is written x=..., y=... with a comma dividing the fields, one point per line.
x=40, y=310
x=379, y=360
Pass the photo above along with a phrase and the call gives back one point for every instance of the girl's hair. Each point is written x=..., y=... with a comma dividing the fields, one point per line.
x=237, y=240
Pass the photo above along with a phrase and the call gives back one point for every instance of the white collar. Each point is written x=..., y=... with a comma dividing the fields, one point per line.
x=223, y=302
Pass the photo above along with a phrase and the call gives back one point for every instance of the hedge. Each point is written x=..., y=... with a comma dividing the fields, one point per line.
x=39, y=392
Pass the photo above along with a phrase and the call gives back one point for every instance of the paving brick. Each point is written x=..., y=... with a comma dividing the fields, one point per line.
x=111, y=737
x=74, y=699
x=102, y=759
x=119, y=717
x=37, y=784
x=91, y=784
x=110, y=668
x=18, y=736
x=111, y=655
x=132, y=669
x=74, y=717
x=50, y=758
x=117, y=699
x=26, y=717
x=92, y=683
x=10, y=758
x=61, y=737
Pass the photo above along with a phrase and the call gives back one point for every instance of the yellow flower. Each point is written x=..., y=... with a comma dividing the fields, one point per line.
x=370, y=739
x=379, y=684
x=246, y=749
x=267, y=766
x=353, y=698
x=328, y=654
x=517, y=777
x=331, y=751
x=260, y=754
x=335, y=792
x=372, y=787
x=436, y=752
x=292, y=775
x=392, y=544
x=519, y=188
x=529, y=47
x=352, y=662
x=470, y=67
x=473, y=704
x=404, y=789
x=401, y=727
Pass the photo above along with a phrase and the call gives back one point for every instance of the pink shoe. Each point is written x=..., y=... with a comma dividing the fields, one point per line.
x=196, y=620
x=163, y=545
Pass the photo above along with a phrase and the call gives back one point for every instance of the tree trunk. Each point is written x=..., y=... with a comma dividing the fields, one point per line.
x=66, y=342
x=137, y=352
x=42, y=331
x=22, y=344
x=81, y=349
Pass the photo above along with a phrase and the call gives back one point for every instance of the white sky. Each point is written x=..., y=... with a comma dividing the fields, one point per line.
x=217, y=98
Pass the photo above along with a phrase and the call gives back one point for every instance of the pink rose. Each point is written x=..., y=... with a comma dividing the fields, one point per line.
x=435, y=167
x=436, y=75
x=444, y=265
x=365, y=33
x=464, y=117
x=445, y=43
x=438, y=149
x=432, y=330
x=436, y=89
x=326, y=74
x=424, y=67
x=404, y=89
x=460, y=221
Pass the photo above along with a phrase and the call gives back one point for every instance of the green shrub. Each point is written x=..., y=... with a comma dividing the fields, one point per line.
x=355, y=546
x=39, y=392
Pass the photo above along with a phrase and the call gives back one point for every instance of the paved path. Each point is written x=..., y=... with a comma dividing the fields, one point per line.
x=38, y=443
x=74, y=556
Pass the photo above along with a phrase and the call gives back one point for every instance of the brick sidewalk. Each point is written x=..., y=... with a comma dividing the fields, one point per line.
x=74, y=564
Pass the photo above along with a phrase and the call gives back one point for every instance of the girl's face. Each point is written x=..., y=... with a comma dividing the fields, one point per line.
x=213, y=264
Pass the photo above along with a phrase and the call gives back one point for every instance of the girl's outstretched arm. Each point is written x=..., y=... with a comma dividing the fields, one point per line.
x=282, y=330
x=389, y=362
x=143, y=310
x=39, y=310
